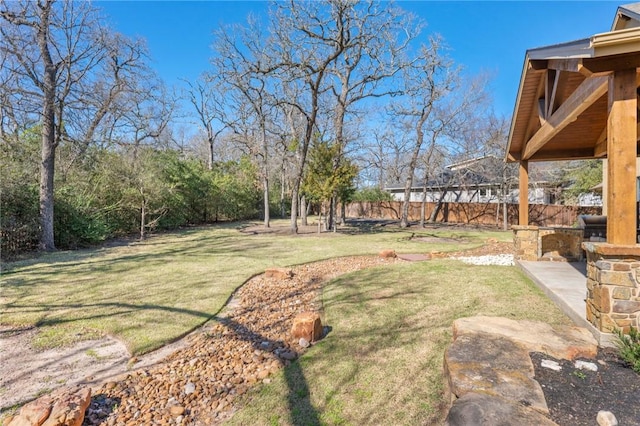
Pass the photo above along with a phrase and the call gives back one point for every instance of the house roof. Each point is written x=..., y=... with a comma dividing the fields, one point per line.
x=562, y=104
x=627, y=16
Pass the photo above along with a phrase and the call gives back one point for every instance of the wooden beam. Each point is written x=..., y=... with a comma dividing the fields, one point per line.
x=615, y=63
x=589, y=91
x=550, y=92
x=569, y=65
x=600, y=150
x=563, y=154
x=535, y=121
x=523, y=200
x=538, y=64
x=621, y=152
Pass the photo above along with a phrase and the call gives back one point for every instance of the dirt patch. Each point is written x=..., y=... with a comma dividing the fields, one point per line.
x=437, y=240
x=575, y=396
x=26, y=373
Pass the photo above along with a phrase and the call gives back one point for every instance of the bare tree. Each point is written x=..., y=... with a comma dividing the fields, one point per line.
x=375, y=39
x=306, y=39
x=207, y=95
x=433, y=105
x=242, y=62
x=54, y=52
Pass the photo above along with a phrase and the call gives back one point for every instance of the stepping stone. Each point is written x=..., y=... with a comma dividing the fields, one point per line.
x=558, y=342
x=493, y=365
x=414, y=257
x=475, y=409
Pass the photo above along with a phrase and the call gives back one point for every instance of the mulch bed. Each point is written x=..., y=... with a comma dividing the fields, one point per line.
x=575, y=396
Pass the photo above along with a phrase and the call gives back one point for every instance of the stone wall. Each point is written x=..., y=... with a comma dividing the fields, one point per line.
x=613, y=292
x=560, y=244
x=555, y=244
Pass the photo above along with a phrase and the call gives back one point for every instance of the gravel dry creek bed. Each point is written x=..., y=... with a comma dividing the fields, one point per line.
x=198, y=384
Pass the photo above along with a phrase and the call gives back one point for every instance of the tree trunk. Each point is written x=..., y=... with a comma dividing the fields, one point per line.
x=210, y=159
x=332, y=214
x=47, y=168
x=423, y=205
x=303, y=211
x=265, y=170
x=283, y=212
x=48, y=154
x=265, y=183
x=404, y=220
x=294, y=208
x=438, y=206
x=143, y=219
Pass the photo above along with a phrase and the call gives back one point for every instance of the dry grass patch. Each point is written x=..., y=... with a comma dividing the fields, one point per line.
x=382, y=361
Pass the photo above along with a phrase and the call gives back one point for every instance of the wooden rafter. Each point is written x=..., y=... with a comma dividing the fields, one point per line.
x=589, y=91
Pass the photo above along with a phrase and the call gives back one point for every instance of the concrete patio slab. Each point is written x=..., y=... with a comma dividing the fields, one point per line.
x=565, y=283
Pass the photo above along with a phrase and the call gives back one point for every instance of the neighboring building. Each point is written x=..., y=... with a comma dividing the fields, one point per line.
x=539, y=193
x=468, y=182
x=590, y=199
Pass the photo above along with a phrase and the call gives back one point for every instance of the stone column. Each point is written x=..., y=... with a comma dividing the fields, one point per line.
x=525, y=240
x=613, y=292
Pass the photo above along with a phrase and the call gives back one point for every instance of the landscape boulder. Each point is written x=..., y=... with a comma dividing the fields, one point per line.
x=308, y=326
x=64, y=407
x=388, y=254
x=278, y=273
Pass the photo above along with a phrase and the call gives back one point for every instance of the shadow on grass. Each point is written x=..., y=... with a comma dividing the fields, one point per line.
x=301, y=410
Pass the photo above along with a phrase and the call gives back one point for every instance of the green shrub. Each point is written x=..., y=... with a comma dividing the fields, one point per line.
x=372, y=195
x=77, y=222
x=629, y=346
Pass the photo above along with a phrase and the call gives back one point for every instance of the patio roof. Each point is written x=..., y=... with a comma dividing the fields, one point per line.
x=561, y=109
x=579, y=100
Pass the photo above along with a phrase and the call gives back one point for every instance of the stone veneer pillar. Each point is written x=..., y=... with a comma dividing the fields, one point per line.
x=525, y=240
x=613, y=292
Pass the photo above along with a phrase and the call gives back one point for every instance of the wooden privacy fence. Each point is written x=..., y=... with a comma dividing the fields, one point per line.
x=15, y=240
x=474, y=213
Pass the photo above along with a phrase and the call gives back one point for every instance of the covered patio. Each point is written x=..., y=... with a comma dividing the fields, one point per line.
x=579, y=100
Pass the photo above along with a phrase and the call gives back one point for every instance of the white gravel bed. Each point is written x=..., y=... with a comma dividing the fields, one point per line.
x=496, y=259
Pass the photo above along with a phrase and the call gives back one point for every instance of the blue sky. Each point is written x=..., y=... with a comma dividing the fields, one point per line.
x=483, y=36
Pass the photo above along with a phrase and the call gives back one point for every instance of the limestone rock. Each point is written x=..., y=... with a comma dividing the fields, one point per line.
x=304, y=343
x=69, y=407
x=64, y=407
x=308, y=326
x=33, y=413
x=558, y=342
x=278, y=273
x=493, y=365
x=606, y=418
x=475, y=409
x=388, y=254
x=176, y=410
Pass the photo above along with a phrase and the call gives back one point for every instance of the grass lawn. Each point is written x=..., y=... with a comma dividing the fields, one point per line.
x=382, y=362
x=150, y=293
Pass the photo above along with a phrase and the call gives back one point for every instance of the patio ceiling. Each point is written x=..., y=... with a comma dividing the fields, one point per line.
x=562, y=107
